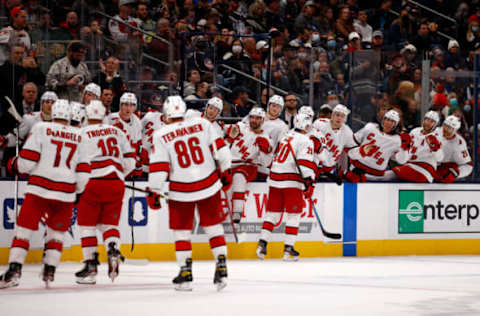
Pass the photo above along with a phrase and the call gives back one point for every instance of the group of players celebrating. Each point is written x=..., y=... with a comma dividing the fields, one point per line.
x=75, y=151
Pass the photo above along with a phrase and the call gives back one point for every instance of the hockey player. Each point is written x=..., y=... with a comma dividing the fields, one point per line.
x=425, y=150
x=78, y=114
x=377, y=145
x=251, y=147
x=456, y=162
x=91, y=92
x=213, y=109
x=195, y=158
x=130, y=124
x=56, y=173
x=336, y=137
x=152, y=120
x=288, y=184
x=110, y=158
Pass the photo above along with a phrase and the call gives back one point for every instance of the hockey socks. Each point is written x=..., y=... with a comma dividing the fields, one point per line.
x=291, y=232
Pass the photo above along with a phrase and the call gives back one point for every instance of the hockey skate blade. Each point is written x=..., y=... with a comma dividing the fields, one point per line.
x=289, y=258
x=89, y=280
x=260, y=255
x=9, y=284
x=184, y=287
x=221, y=284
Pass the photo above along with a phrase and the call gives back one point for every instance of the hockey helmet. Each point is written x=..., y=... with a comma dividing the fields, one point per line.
x=61, y=110
x=216, y=102
x=128, y=97
x=392, y=115
x=302, y=121
x=95, y=110
x=48, y=95
x=78, y=111
x=276, y=99
x=453, y=122
x=340, y=108
x=306, y=110
x=433, y=116
x=93, y=88
x=257, y=111
x=174, y=107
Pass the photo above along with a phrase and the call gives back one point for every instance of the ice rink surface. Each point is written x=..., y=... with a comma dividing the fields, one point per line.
x=433, y=285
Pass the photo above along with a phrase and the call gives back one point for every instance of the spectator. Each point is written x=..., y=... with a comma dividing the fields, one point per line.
x=344, y=24
x=14, y=33
x=473, y=35
x=422, y=40
x=110, y=77
x=290, y=110
x=239, y=60
x=198, y=100
x=44, y=30
x=86, y=10
x=29, y=102
x=70, y=27
x=107, y=98
x=69, y=75
x=307, y=19
x=272, y=15
x=264, y=98
x=193, y=78
x=256, y=17
x=239, y=106
x=18, y=70
x=453, y=57
x=401, y=29
x=381, y=18
x=362, y=27
x=119, y=31
x=327, y=22
x=147, y=24
x=400, y=72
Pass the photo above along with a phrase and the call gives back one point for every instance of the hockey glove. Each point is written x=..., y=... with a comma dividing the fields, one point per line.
x=406, y=141
x=451, y=175
x=227, y=179
x=309, y=188
x=317, y=145
x=263, y=144
x=153, y=200
x=232, y=133
x=433, y=142
x=12, y=166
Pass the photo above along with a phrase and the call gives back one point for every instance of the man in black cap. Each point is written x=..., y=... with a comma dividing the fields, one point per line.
x=239, y=106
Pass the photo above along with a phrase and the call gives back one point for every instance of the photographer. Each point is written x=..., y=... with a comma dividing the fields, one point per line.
x=69, y=75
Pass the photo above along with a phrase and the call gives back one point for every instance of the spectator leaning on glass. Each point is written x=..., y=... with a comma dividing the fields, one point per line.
x=69, y=75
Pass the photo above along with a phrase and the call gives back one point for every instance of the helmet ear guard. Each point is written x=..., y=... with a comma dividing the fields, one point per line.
x=174, y=107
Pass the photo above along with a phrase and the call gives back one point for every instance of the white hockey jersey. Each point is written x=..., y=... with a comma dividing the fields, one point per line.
x=218, y=125
x=29, y=120
x=151, y=122
x=422, y=159
x=244, y=150
x=108, y=151
x=375, y=150
x=183, y=151
x=132, y=129
x=284, y=172
x=51, y=156
x=334, y=141
x=455, y=151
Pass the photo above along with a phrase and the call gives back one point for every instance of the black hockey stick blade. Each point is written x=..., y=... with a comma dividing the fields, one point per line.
x=324, y=232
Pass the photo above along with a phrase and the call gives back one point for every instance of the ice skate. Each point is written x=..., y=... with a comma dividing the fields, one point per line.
x=114, y=256
x=12, y=276
x=220, y=277
x=290, y=254
x=261, y=249
x=89, y=272
x=48, y=274
x=183, y=281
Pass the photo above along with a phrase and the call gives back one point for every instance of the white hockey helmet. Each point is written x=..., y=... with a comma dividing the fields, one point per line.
x=216, y=102
x=302, y=121
x=48, y=95
x=128, y=97
x=257, y=111
x=174, y=107
x=95, y=110
x=277, y=99
x=453, y=122
x=93, y=88
x=392, y=115
x=433, y=116
x=340, y=108
x=61, y=110
x=78, y=111
x=306, y=110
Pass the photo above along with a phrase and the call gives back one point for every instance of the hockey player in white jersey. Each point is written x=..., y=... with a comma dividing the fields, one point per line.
x=288, y=185
x=456, y=162
x=30, y=119
x=195, y=159
x=314, y=135
x=213, y=109
x=425, y=153
x=377, y=145
x=78, y=114
x=110, y=158
x=336, y=137
x=251, y=147
x=53, y=161
x=130, y=124
x=91, y=92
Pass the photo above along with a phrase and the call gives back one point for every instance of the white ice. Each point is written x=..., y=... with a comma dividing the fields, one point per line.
x=433, y=285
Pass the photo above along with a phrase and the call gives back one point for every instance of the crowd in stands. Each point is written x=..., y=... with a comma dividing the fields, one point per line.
x=365, y=54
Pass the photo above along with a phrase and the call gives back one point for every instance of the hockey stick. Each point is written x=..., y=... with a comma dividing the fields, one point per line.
x=132, y=207
x=324, y=232
x=134, y=188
